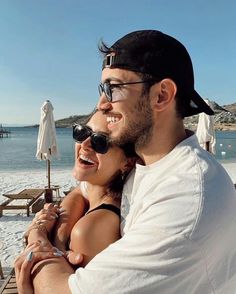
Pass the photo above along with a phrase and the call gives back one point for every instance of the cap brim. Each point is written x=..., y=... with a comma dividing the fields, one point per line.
x=198, y=105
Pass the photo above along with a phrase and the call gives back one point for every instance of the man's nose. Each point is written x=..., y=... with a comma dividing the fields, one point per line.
x=103, y=104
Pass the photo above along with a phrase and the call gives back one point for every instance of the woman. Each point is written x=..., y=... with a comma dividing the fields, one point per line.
x=84, y=226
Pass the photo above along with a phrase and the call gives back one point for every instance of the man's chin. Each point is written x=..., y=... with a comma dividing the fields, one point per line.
x=115, y=135
x=121, y=138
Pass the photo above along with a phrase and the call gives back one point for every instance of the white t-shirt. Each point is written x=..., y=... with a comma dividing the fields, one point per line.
x=178, y=231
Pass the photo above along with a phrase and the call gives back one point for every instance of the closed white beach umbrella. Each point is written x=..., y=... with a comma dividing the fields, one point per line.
x=206, y=131
x=47, y=143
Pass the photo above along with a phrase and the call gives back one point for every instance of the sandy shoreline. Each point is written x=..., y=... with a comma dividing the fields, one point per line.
x=13, y=223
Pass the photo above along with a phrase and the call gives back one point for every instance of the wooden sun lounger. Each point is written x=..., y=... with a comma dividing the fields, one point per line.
x=1, y=271
x=9, y=285
x=30, y=195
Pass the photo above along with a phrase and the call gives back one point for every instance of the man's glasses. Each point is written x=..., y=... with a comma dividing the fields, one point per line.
x=112, y=92
x=99, y=142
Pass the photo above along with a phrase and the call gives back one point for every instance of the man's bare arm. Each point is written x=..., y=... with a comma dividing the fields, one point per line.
x=51, y=276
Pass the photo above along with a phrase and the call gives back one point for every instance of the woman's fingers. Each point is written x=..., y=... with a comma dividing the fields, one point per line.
x=35, y=252
x=46, y=213
x=49, y=212
x=46, y=217
x=49, y=206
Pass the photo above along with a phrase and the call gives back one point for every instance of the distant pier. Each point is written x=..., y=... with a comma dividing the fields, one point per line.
x=4, y=133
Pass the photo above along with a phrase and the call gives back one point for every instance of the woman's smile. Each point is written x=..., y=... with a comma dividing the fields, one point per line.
x=86, y=161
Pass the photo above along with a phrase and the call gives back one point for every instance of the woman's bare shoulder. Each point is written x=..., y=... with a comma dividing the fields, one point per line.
x=98, y=220
x=95, y=231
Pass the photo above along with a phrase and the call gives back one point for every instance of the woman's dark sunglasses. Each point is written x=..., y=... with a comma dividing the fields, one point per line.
x=99, y=142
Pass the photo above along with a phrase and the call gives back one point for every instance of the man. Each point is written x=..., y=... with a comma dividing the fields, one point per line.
x=178, y=228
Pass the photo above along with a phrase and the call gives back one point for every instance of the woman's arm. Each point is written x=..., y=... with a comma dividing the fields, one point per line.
x=74, y=207
x=91, y=234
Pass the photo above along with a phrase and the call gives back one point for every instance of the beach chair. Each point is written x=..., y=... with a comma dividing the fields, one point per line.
x=9, y=285
x=29, y=195
x=1, y=271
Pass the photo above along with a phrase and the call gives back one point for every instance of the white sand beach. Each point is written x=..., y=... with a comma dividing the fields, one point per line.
x=13, y=223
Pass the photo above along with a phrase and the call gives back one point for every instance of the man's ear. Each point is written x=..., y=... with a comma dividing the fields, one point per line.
x=165, y=94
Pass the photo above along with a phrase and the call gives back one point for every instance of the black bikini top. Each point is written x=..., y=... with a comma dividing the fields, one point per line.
x=110, y=207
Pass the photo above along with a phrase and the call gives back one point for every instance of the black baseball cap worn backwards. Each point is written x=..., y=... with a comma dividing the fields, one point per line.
x=155, y=53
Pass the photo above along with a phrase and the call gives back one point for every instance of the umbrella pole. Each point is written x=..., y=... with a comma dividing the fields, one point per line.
x=49, y=172
x=208, y=146
x=48, y=190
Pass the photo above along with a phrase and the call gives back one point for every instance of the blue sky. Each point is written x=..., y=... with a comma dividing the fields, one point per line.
x=48, y=49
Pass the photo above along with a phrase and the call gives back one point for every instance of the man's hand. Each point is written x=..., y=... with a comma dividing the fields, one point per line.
x=23, y=264
x=73, y=257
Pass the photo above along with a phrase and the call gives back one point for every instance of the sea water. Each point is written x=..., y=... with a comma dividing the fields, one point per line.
x=17, y=152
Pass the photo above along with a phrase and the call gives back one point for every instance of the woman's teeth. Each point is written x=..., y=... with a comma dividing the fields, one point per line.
x=86, y=159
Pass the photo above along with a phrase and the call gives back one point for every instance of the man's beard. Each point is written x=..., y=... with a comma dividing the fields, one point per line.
x=139, y=125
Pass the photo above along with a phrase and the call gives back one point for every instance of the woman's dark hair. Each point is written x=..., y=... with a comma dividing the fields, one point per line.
x=116, y=184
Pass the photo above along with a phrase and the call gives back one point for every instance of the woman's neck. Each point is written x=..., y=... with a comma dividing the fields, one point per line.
x=98, y=195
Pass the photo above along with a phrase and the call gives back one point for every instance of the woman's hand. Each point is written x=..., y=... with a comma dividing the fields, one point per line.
x=47, y=216
x=23, y=264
